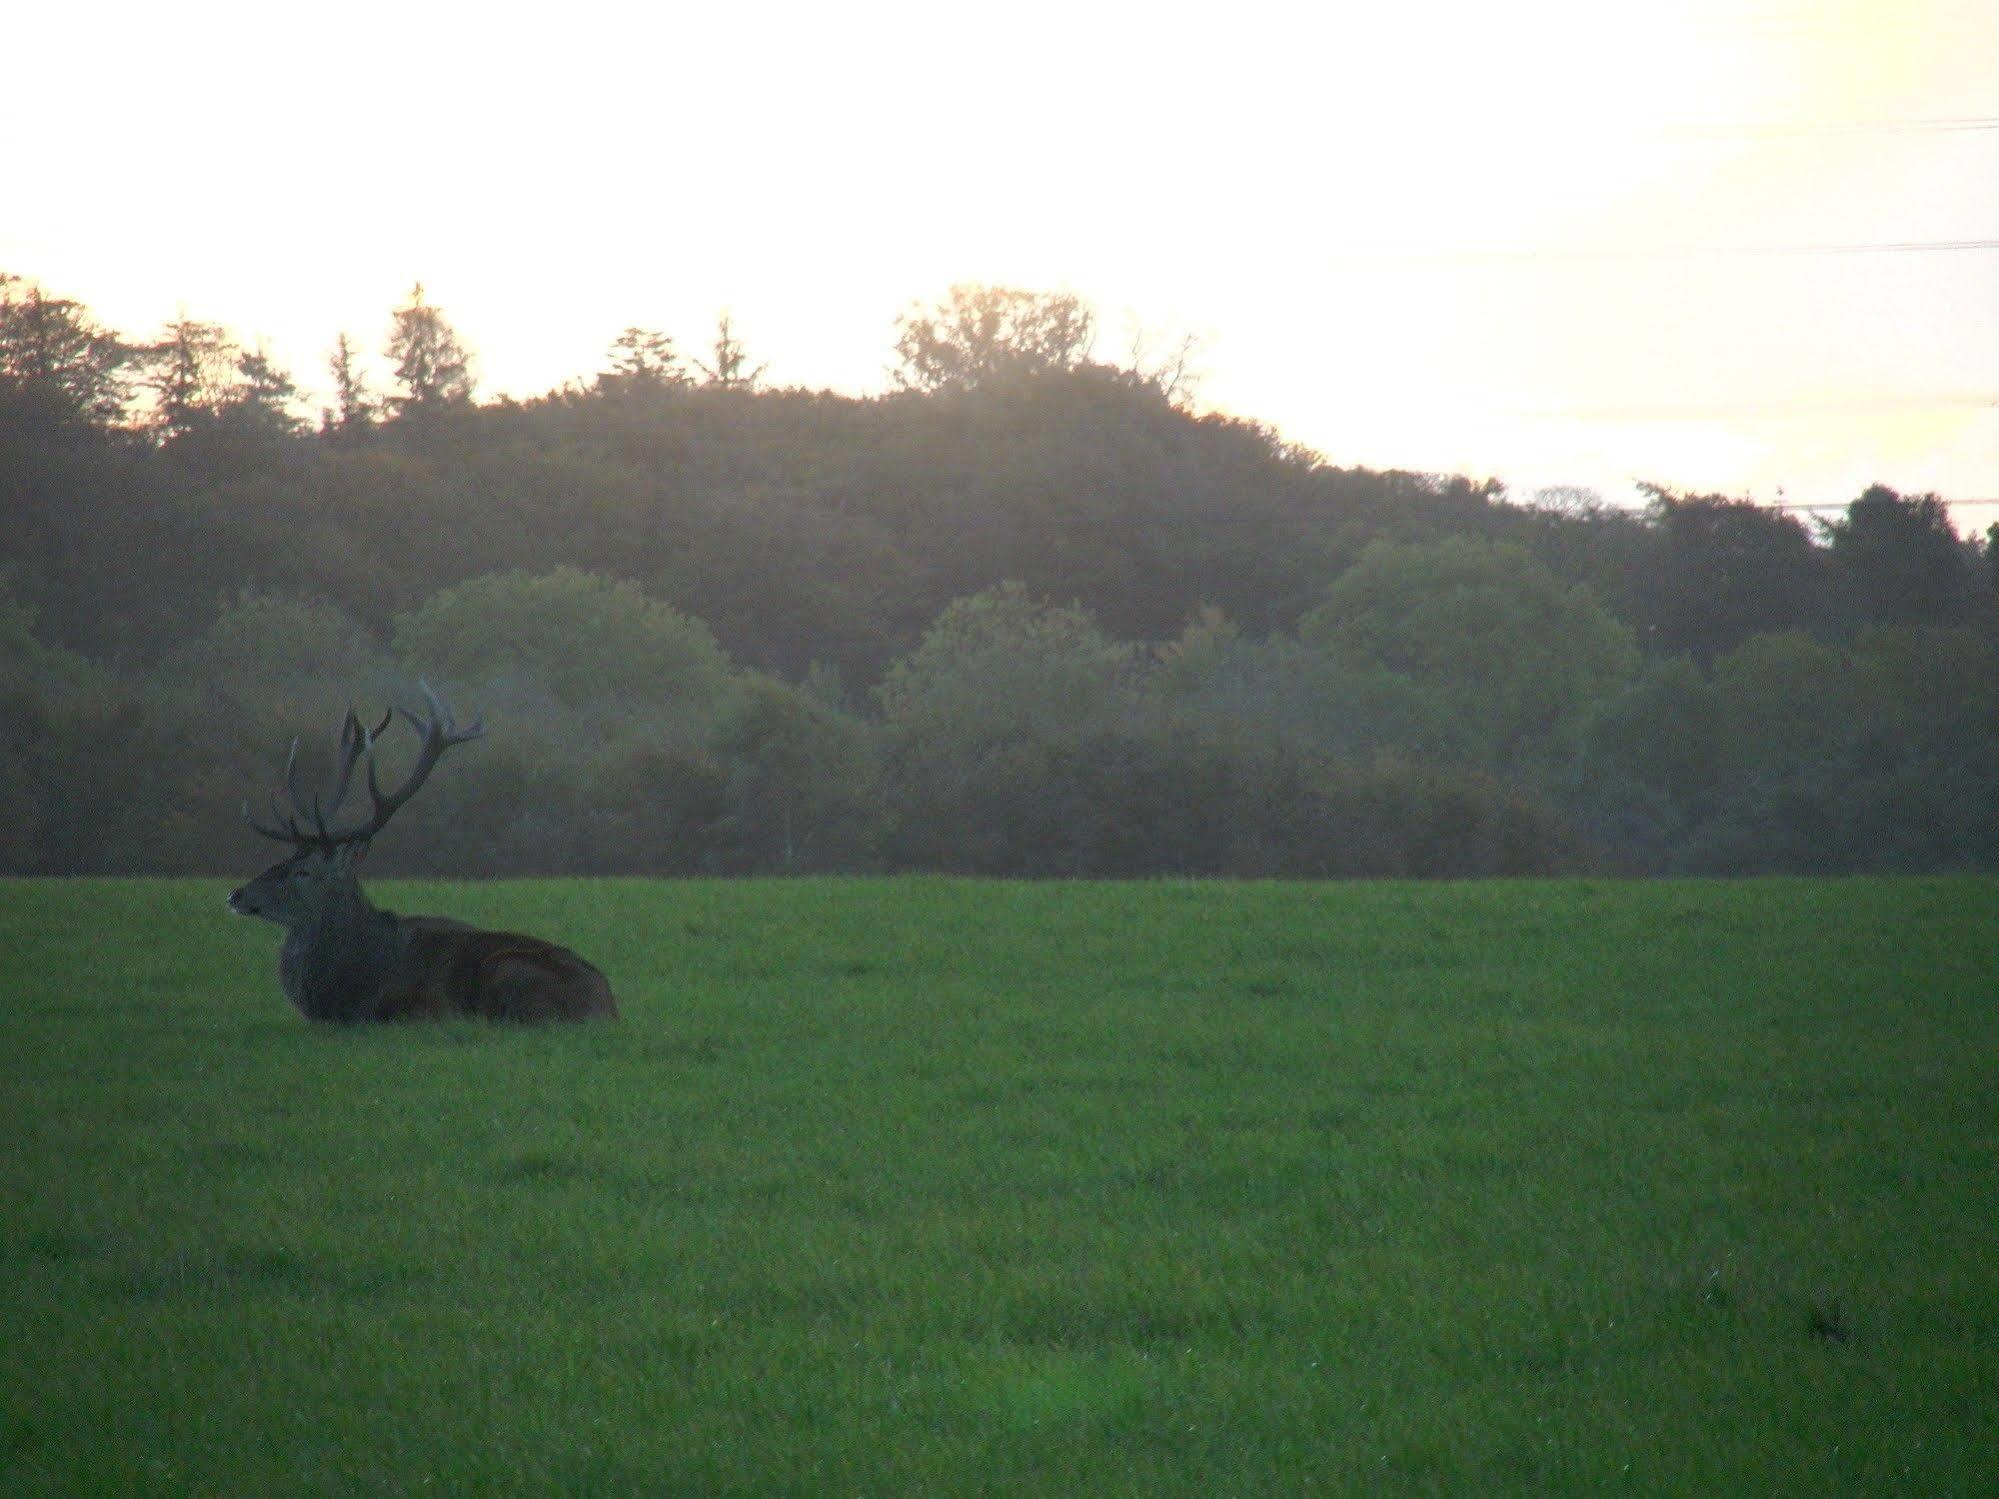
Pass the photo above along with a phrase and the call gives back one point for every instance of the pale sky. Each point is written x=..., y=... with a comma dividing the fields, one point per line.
x=1533, y=241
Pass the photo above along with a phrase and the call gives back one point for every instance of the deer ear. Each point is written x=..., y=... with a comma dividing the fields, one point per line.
x=348, y=855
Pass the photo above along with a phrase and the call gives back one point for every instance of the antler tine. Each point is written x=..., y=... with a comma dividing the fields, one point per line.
x=290, y=820
x=291, y=777
x=309, y=823
x=355, y=744
x=436, y=735
x=287, y=829
x=442, y=716
x=271, y=833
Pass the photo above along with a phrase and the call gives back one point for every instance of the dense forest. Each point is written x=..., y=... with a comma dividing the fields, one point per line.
x=1027, y=614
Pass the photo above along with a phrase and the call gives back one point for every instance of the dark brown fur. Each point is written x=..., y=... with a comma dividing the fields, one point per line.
x=451, y=969
x=346, y=963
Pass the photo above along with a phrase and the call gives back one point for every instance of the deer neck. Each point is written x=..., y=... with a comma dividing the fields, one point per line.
x=338, y=958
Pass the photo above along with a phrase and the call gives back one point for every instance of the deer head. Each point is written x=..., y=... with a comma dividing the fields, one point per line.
x=319, y=876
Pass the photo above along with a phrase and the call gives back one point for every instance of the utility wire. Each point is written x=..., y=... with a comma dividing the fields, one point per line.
x=1694, y=252
x=1905, y=247
x=1778, y=408
x=1778, y=129
x=1902, y=247
x=1842, y=504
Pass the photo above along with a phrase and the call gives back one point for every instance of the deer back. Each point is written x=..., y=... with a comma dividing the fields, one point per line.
x=450, y=969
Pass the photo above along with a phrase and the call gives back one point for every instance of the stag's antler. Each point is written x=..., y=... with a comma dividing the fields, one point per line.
x=357, y=743
x=439, y=734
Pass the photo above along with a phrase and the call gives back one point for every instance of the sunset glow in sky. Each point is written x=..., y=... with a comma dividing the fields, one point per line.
x=1552, y=242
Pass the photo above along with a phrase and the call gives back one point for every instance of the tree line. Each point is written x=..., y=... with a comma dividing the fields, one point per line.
x=1026, y=613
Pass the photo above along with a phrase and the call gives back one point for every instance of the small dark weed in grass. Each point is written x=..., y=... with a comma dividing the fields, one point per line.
x=1827, y=1321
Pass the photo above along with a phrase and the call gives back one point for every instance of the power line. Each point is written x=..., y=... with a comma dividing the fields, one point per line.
x=1843, y=504
x=1698, y=252
x=1905, y=247
x=1756, y=408
x=1777, y=129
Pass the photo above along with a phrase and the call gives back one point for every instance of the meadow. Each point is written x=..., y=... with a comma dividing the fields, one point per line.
x=928, y=1186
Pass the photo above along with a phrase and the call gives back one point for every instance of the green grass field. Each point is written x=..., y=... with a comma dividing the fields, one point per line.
x=922, y=1186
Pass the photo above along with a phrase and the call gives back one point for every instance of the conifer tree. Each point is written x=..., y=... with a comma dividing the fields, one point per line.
x=432, y=366
x=190, y=372
x=354, y=405
x=642, y=358
x=57, y=364
x=264, y=397
x=729, y=371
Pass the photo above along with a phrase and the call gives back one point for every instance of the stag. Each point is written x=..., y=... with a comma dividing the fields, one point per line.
x=344, y=961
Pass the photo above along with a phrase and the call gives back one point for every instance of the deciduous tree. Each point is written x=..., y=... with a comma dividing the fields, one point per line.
x=1721, y=570
x=1517, y=659
x=981, y=333
x=1900, y=561
x=585, y=636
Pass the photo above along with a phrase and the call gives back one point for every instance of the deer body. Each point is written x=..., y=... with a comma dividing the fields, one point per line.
x=346, y=962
